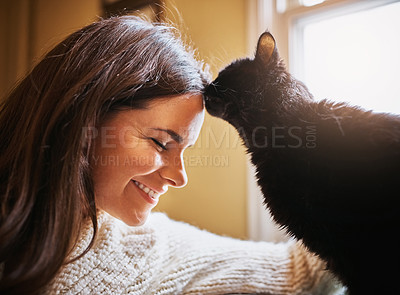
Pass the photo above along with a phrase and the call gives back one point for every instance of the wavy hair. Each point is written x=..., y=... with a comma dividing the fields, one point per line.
x=46, y=190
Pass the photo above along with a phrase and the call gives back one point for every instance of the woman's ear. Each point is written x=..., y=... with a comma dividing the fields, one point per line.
x=265, y=47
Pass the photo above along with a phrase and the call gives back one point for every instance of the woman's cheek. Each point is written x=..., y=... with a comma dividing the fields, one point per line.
x=147, y=162
x=158, y=160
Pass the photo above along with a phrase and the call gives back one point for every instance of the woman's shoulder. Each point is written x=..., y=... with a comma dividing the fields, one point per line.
x=117, y=259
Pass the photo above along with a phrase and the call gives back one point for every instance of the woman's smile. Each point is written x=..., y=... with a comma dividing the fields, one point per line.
x=147, y=192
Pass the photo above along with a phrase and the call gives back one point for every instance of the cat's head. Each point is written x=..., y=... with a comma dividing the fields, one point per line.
x=243, y=88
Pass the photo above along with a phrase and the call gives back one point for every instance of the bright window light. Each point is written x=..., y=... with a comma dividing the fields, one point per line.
x=355, y=58
x=311, y=2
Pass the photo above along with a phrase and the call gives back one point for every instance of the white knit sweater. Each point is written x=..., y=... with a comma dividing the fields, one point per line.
x=169, y=257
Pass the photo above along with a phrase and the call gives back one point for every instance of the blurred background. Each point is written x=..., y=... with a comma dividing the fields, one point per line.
x=343, y=50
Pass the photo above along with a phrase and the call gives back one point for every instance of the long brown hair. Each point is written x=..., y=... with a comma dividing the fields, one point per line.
x=46, y=189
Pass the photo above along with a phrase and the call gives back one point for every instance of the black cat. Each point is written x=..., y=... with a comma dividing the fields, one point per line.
x=329, y=172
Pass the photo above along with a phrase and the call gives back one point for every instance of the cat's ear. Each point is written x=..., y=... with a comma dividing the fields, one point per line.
x=265, y=47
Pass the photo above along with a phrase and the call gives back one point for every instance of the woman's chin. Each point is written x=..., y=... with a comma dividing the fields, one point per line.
x=136, y=218
x=131, y=218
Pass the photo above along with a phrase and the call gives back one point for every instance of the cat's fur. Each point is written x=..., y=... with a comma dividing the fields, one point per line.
x=329, y=172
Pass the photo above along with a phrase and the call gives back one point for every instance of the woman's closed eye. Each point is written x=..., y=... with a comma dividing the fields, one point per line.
x=159, y=144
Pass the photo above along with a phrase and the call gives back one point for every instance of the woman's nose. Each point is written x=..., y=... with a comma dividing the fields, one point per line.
x=174, y=171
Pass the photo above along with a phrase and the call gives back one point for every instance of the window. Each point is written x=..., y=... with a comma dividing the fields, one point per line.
x=350, y=54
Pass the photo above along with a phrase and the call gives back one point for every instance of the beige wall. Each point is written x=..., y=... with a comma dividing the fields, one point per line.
x=54, y=20
x=215, y=195
x=214, y=198
x=14, y=40
x=29, y=28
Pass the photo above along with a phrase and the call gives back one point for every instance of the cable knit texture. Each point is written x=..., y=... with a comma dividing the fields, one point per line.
x=169, y=257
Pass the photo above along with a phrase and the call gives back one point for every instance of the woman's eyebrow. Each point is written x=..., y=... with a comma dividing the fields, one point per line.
x=175, y=136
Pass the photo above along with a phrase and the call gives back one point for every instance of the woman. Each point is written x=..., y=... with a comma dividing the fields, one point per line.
x=90, y=139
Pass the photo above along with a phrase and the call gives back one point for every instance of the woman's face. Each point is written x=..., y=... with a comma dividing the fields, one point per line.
x=138, y=154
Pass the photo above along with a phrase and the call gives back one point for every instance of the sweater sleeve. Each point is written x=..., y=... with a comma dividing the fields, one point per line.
x=199, y=262
x=169, y=257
